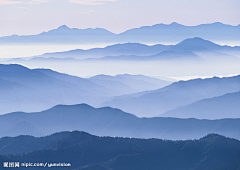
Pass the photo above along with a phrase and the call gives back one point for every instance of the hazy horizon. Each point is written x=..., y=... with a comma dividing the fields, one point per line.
x=24, y=17
x=119, y=32
x=30, y=50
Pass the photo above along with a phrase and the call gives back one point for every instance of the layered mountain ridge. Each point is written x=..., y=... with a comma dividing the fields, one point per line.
x=84, y=151
x=148, y=34
x=107, y=121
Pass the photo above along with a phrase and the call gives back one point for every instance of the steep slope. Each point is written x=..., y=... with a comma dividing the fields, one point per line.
x=181, y=93
x=129, y=83
x=213, y=108
x=84, y=151
x=115, y=85
x=23, y=89
x=84, y=84
x=113, y=122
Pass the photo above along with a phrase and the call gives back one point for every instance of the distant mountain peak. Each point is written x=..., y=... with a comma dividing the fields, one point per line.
x=15, y=66
x=197, y=40
x=14, y=35
x=63, y=27
x=192, y=44
x=194, y=39
x=218, y=23
x=80, y=106
x=161, y=24
x=174, y=24
x=213, y=136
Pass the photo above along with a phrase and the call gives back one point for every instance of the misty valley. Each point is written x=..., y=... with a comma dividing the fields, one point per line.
x=157, y=97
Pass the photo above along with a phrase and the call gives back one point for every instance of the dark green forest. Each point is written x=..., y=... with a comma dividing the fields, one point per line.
x=88, y=152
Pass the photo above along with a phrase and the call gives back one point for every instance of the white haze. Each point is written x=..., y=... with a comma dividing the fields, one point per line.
x=20, y=51
x=175, y=70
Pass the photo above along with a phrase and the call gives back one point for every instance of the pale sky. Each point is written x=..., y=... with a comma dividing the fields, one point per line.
x=25, y=17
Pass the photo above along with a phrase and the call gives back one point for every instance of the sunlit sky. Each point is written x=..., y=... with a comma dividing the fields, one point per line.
x=25, y=17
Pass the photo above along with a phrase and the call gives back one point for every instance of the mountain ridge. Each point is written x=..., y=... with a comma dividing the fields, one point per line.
x=107, y=121
x=123, y=153
x=143, y=34
x=216, y=107
x=177, y=94
x=24, y=89
x=204, y=49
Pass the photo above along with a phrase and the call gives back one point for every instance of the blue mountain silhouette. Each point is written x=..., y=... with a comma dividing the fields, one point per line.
x=107, y=121
x=153, y=103
x=147, y=34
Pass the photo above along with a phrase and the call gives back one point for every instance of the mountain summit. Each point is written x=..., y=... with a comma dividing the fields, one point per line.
x=194, y=44
x=63, y=27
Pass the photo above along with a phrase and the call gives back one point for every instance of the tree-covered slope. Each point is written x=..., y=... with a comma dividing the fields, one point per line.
x=88, y=152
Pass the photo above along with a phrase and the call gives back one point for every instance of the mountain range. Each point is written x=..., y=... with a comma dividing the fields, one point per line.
x=147, y=34
x=156, y=102
x=112, y=50
x=163, y=56
x=192, y=49
x=31, y=90
x=189, y=47
x=177, y=32
x=24, y=89
x=126, y=83
x=123, y=122
x=84, y=151
x=212, y=108
x=112, y=122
